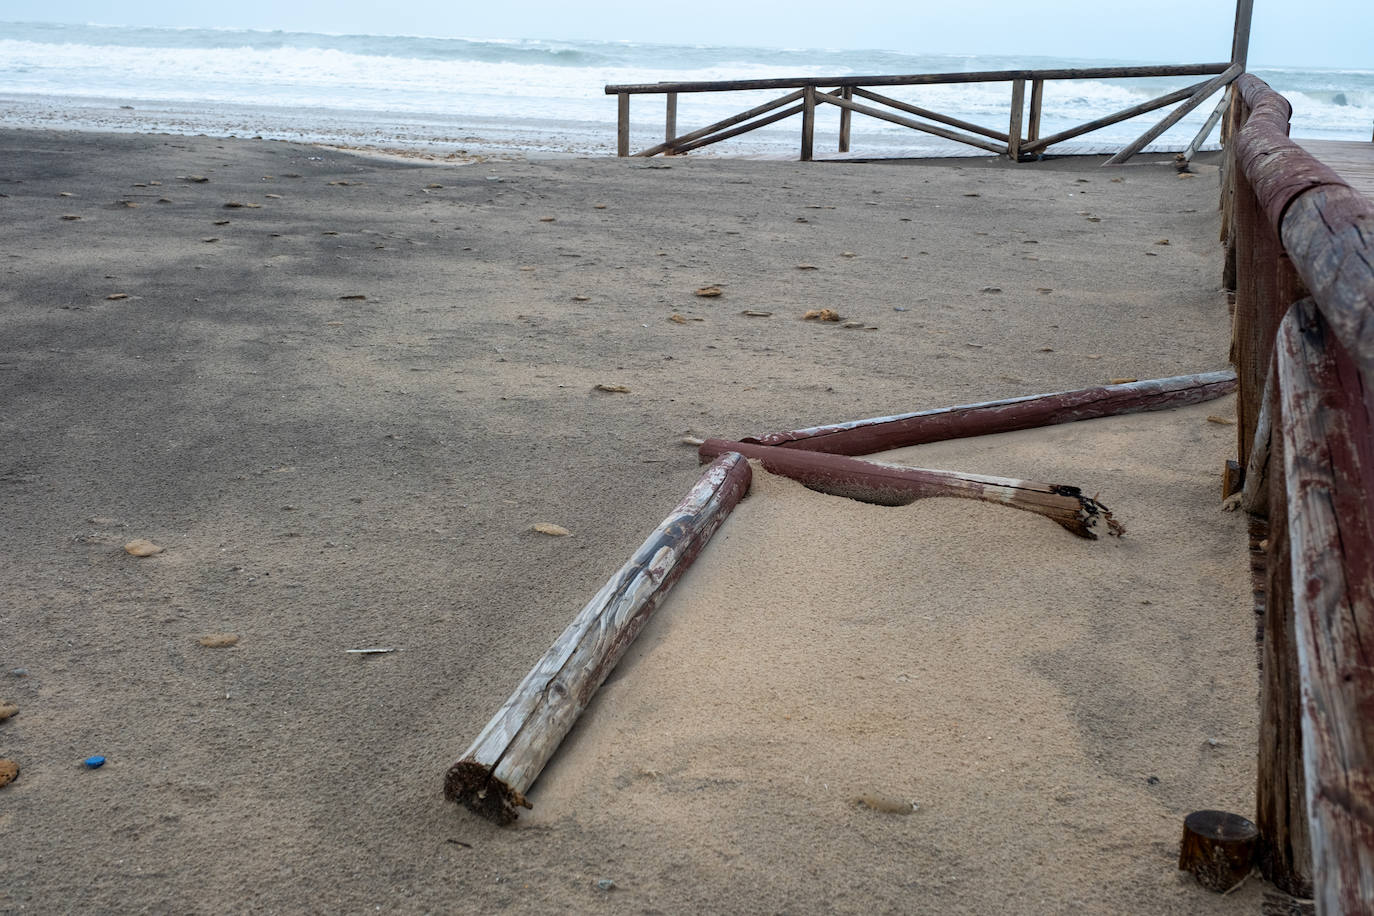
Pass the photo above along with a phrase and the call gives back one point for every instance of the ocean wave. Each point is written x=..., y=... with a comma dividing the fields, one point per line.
x=528, y=80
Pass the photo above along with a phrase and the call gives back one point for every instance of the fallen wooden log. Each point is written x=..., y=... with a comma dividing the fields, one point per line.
x=493, y=775
x=892, y=485
x=878, y=434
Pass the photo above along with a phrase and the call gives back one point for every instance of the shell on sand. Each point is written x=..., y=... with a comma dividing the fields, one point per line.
x=142, y=548
x=557, y=531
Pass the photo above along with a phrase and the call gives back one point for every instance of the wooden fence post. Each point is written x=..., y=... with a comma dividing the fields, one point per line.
x=670, y=120
x=847, y=93
x=1240, y=42
x=1018, y=109
x=622, y=126
x=808, y=139
x=1037, y=101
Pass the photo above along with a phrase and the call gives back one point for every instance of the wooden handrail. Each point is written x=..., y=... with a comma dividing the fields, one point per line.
x=921, y=79
x=1020, y=140
x=1306, y=407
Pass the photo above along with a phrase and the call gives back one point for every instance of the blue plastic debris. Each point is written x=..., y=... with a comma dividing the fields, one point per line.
x=93, y=763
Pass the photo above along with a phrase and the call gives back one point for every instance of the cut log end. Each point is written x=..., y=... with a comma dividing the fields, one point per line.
x=471, y=784
x=1218, y=848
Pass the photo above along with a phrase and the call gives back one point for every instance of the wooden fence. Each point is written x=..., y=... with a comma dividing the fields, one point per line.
x=1021, y=139
x=1300, y=254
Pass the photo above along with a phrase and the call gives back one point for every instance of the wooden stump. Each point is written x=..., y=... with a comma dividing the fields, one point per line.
x=1218, y=848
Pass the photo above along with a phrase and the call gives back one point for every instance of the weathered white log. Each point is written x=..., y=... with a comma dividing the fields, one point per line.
x=495, y=773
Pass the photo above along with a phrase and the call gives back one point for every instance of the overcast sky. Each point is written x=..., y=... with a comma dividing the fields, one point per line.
x=1314, y=33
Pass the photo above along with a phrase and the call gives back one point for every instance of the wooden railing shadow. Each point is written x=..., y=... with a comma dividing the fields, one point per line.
x=1300, y=256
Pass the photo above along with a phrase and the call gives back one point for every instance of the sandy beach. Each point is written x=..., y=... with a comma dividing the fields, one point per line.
x=338, y=390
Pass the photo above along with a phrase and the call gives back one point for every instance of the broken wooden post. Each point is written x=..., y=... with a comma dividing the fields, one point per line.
x=878, y=434
x=891, y=485
x=1218, y=848
x=493, y=775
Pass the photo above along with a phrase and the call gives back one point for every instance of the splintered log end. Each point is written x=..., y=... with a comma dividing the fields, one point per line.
x=1218, y=848
x=1090, y=515
x=471, y=784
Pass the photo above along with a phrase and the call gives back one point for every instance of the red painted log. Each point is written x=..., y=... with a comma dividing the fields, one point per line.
x=1328, y=462
x=864, y=437
x=493, y=775
x=891, y=485
x=1278, y=169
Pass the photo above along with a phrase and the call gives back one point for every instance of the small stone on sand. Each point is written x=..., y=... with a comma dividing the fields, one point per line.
x=7, y=710
x=114, y=297
x=1221, y=421
x=709, y=292
x=756, y=313
x=210, y=239
x=598, y=206
x=546, y=219
x=9, y=771
x=807, y=267
x=821, y=315
x=992, y=289
x=218, y=640
x=552, y=530
x=614, y=389
x=353, y=297
x=221, y=222
x=1122, y=381
x=70, y=216
x=1162, y=242
x=142, y=548
x=582, y=298
x=677, y=319
x=197, y=179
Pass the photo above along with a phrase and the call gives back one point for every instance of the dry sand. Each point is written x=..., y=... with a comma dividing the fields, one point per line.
x=328, y=472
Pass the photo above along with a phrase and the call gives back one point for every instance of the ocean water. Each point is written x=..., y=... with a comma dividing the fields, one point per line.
x=447, y=94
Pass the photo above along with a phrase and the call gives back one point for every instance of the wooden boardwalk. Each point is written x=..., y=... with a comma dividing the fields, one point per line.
x=1353, y=160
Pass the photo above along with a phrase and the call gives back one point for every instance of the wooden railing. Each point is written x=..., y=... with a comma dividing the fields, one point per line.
x=1300, y=245
x=1021, y=139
